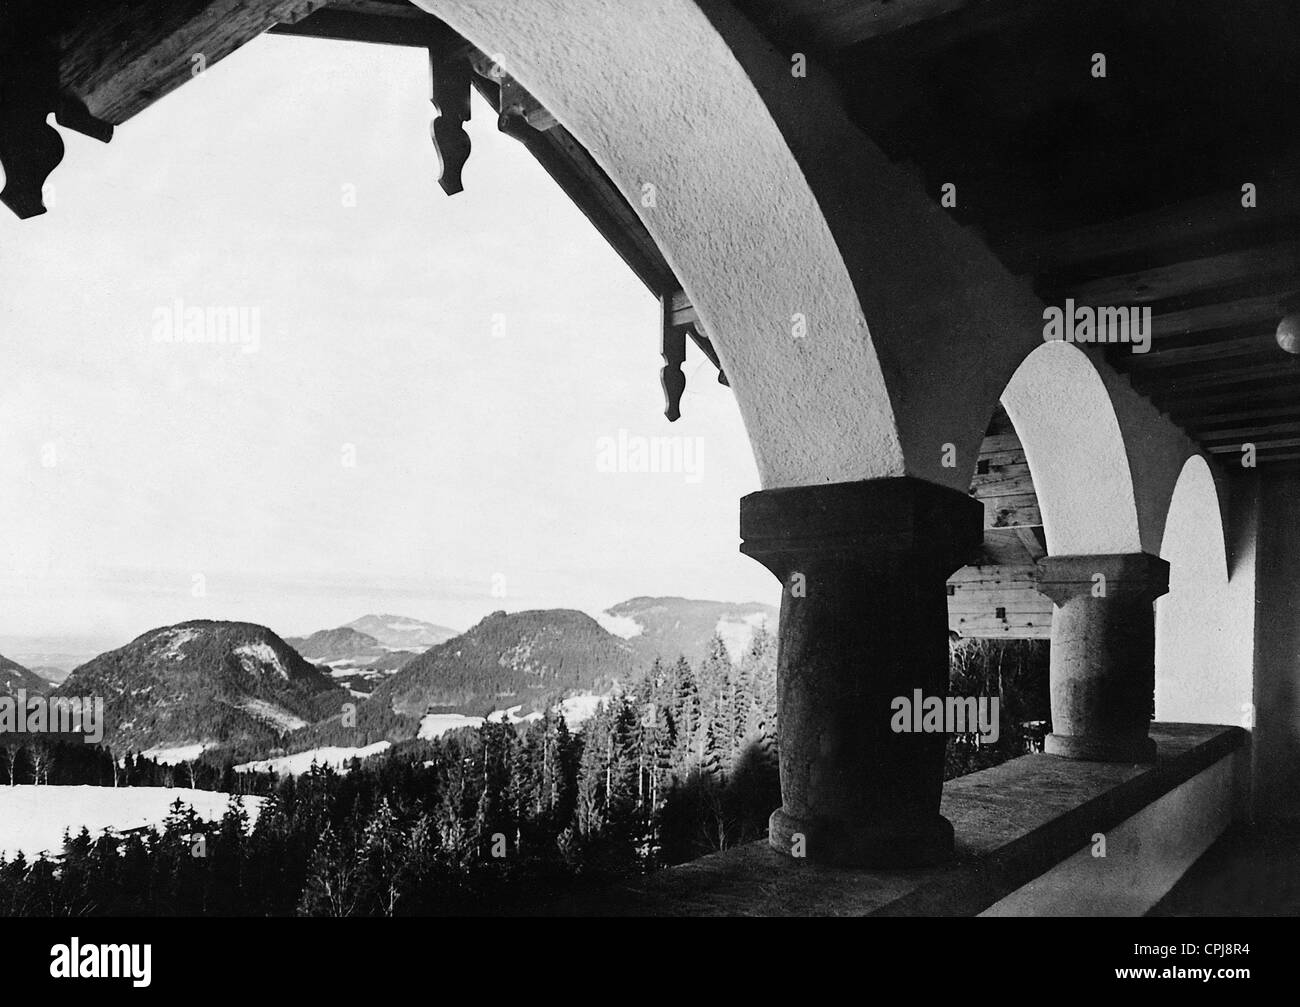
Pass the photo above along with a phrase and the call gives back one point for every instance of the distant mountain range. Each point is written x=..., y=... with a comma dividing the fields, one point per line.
x=204, y=682
x=14, y=676
x=398, y=632
x=344, y=643
x=358, y=661
x=239, y=685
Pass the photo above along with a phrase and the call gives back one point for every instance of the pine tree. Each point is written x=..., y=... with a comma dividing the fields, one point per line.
x=381, y=858
x=333, y=879
x=687, y=714
x=593, y=771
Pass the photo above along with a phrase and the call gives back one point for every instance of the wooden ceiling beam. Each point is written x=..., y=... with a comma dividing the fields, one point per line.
x=1279, y=261
x=1199, y=420
x=416, y=29
x=1161, y=356
x=832, y=25
x=1217, y=223
x=1264, y=309
x=1262, y=447
x=122, y=56
x=1178, y=381
x=1281, y=392
x=1258, y=434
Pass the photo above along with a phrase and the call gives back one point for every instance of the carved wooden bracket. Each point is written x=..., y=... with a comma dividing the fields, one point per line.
x=679, y=320
x=451, y=84
x=30, y=148
x=673, y=350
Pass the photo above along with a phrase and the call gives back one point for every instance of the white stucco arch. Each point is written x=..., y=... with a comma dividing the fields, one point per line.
x=770, y=203
x=1063, y=415
x=658, y=98
x=1157, y=453
x=1204, y=625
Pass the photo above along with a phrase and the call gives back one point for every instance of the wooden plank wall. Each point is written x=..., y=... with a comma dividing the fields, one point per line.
x=994, y=597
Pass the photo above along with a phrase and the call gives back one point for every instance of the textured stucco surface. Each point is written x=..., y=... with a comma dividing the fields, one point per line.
x=1063, y=414
x=770, y=203
x=657, y=97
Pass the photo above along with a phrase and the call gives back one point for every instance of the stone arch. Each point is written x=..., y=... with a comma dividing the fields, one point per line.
x=770, y=203
x=660, y=101
x=1063, y=413
x=1204, y=625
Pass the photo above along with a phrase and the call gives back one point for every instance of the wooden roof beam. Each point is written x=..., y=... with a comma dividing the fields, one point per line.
x=1217, y=224
x=1279, y=261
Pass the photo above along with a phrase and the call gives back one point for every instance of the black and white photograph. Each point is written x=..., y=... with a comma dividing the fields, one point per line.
x=529, y=460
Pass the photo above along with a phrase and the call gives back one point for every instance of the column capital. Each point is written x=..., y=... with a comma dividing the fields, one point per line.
x=1133, y=576
x=864, y=523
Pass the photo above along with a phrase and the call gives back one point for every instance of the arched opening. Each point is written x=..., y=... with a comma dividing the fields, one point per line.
x=667, y=110
x=1074, y=445
x=1203, y=647
x=998, y=620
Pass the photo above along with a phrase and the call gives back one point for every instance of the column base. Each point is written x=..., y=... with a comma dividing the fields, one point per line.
x=1088, y=749
x=912, y=844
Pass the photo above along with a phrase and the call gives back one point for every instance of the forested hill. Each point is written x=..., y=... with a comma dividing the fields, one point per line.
x=204, y=682
x=669, y=628
x=337, y=644
x=521, y=658
x=14, y=676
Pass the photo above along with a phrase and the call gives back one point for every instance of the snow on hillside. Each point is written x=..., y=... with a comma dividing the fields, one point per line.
x=622, y=626
x=174, y=640
x=301, y=762
x=738, y=633
x=269, y=713
x=175, y=756
x=33, y=819
x=256, y=657
x=576, y=709
x=435, y=725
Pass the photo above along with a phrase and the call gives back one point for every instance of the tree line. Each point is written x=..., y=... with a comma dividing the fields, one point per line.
x=490, y=820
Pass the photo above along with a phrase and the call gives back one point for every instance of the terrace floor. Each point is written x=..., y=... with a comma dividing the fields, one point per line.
x=1014, y=824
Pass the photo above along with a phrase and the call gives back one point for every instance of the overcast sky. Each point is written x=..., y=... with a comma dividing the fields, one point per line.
x=466, y=353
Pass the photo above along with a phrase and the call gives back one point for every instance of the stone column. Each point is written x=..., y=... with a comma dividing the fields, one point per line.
x=1103, y=653
x=864, y=619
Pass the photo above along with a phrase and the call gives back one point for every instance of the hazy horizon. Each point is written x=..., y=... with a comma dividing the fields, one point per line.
x=416, y=427
x=58, y=650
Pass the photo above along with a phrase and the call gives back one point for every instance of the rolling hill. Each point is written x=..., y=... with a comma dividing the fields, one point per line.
x=14, y=676
x=507, y=660
x=204, y=682
x=669, y=627
x=398, y=632
x=342, y=644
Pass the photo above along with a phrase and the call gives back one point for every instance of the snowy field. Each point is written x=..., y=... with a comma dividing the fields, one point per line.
x=434, y=725
x=301, y=762
x=174, y=756
x=32, y=819
x=576, y=709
